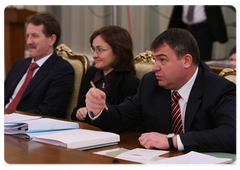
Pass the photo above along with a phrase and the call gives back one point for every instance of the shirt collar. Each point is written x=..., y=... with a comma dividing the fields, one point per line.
x=99, y=75
x=42, y=60
x=184, y=91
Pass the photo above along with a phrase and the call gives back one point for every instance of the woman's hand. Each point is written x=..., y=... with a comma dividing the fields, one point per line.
x=81, y=113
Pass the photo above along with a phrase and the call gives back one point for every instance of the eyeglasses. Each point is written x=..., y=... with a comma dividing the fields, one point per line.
x=98, y=51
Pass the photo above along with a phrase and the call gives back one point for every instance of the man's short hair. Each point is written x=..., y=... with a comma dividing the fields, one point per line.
x=181, y=41
x=50, y=22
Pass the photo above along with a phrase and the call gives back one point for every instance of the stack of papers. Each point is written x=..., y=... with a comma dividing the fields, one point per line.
x=56, y=132
x=13, y=128
x=25, y=126
x=79, y=139
x=16, y=117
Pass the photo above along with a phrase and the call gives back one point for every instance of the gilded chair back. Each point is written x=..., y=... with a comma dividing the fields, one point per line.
x=80, y=63
x=230, y=74
x=143, y=63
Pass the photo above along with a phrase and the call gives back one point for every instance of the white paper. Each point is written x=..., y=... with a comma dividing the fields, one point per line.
x=79, y=138
x=104, y=152
x=48, y=124
x=192, y=158
x=16, y=117
x=141, y=155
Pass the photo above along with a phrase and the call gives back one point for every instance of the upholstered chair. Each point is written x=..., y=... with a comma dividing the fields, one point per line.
x=80, y=63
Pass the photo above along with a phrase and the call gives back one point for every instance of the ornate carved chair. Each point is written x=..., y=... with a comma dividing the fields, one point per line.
x=80, y=64
x=143, y=63
x=230, y=74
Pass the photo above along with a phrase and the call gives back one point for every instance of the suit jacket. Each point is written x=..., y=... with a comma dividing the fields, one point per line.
x=215, y=22
x=49, y=90
x=210, y=117
x=123, y=85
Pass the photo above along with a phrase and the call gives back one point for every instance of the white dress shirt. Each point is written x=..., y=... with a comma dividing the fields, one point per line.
x=199, y=14
x=184, y=92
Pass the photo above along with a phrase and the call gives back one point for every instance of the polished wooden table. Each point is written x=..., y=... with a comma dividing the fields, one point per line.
x=24, y=151
x=218, y=65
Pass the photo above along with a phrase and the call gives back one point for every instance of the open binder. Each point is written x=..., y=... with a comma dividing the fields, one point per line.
x=28, y=126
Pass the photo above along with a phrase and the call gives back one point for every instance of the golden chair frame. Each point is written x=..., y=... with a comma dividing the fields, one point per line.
x=230, y=74
x=143, y=63
x=80, y=64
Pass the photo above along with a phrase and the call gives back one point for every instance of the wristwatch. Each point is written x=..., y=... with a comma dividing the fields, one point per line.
x=170, y=140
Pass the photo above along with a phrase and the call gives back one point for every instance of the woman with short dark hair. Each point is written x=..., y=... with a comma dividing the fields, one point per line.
x=113, y=71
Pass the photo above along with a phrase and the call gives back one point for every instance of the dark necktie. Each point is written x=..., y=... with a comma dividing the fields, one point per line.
x=190, y=12
x=15, y=101
x=176, y=122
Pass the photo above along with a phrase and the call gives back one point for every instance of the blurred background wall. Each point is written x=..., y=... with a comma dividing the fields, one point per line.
x=144, y=21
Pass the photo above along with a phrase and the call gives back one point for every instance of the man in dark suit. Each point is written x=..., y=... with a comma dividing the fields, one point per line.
x=207, y=103
x=52, y=82
x=207, y=26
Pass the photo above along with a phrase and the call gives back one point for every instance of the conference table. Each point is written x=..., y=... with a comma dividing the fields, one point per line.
x=218, y=65
x=24, y=151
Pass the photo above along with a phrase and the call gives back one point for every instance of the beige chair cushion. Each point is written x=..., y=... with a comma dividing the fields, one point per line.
x=231, y=78
x=142, y=69
x=143, y=63
x=80, y=64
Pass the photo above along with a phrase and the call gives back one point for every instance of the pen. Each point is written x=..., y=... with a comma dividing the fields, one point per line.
x=96, y=91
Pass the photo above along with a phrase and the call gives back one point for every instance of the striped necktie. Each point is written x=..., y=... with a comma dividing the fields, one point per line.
x=176, y=122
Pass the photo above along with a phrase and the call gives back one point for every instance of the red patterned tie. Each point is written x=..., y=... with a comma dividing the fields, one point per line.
x=15, y=101
x=177, y=126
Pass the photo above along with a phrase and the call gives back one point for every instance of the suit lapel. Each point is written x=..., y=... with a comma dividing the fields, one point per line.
x=113, y=89
x=15, y=78
x=39, y=76
x=194, y=100
x=163, y=108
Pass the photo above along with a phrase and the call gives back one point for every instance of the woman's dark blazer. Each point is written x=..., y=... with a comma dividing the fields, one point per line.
x=123, y=85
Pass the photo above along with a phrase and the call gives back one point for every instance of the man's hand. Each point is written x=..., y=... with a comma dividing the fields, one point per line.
x=95, y=101
x=154, y=140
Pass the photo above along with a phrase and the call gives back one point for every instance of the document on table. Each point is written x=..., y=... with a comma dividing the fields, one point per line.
x=43, y=124
x=222, y=155
x=136, y=155
x=192, y=158
x=16, y=117
x=112, y=152
x=141, y=155
x=25, y=126
x=79, y=139
x=12, y=128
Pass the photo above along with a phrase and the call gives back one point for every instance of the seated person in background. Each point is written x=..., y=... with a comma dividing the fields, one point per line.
x=46, y=88
x=232, y=54
x=113, y=72
x=182, y=104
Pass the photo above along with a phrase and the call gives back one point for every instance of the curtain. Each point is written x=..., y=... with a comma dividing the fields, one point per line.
x=78, y=23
